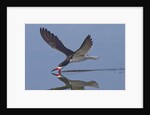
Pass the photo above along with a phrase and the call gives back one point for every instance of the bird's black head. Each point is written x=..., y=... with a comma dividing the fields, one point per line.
x=66, y=61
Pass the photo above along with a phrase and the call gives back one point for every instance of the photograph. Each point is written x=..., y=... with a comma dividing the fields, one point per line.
x=75, y=56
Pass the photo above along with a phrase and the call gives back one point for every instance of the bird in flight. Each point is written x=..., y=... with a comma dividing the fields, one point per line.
x=71, y=56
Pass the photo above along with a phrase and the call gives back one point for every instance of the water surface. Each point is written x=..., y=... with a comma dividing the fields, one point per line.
x=108, y=43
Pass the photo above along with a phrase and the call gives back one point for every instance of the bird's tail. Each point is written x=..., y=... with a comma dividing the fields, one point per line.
x=94, y=57
x=92, y=84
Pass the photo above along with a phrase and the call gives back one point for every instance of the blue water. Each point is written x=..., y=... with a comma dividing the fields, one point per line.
x=108, y=43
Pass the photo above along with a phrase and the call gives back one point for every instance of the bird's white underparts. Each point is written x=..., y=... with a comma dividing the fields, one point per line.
x=71, y=56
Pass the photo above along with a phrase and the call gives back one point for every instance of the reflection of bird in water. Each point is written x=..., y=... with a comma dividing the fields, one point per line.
x=74, y=84
x=77, y=56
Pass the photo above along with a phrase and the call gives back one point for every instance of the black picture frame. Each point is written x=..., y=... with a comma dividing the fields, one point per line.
x=104, y=3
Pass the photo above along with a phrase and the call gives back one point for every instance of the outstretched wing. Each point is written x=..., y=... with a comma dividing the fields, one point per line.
x=85, y=47
x=54, y=42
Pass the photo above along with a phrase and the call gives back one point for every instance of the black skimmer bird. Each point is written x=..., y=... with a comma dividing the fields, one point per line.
x=74, y=84
x=72, y=56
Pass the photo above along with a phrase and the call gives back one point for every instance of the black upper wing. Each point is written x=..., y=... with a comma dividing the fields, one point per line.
x=54, y=42
x=85, y=47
